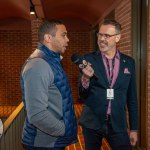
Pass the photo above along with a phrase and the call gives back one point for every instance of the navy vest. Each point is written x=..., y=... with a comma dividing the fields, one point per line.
x=62, y=83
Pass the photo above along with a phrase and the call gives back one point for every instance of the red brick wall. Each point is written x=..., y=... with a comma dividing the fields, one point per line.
x=123, y=15
x=15, y=46
x=35, y=23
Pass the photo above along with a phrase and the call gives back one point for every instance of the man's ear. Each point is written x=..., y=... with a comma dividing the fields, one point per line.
x=47, y=38
x=118, y=38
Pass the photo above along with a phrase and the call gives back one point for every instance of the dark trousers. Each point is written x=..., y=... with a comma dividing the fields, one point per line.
x=42, y=148
x=117, y=141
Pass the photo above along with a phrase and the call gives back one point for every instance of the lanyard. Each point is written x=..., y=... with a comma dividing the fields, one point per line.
x=110, y=70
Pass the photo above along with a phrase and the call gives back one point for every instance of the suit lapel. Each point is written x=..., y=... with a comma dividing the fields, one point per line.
x=121, y=70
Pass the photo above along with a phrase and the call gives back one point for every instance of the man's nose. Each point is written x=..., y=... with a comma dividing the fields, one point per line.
x=67, y=39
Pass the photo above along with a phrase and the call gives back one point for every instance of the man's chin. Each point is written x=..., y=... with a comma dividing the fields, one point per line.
x=63, y=51
x=102, y=49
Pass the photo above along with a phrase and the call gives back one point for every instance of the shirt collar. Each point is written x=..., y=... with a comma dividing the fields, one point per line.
x=117, y=56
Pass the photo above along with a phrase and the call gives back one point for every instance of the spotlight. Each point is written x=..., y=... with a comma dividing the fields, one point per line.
x=32, y=10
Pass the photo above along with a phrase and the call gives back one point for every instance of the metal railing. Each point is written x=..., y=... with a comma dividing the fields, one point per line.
x=11, y=138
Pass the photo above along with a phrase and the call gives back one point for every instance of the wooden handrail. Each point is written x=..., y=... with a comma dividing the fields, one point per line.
x=11, y=118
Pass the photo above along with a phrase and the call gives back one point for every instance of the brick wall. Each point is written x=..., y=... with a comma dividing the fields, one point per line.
x=35, y=23
x=123, y=15
x=15, y=46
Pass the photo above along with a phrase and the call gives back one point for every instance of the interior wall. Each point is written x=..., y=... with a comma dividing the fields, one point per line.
x=123, y=15
x=15, y=45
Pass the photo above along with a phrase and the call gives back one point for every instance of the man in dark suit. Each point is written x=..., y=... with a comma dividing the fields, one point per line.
x=107, y=98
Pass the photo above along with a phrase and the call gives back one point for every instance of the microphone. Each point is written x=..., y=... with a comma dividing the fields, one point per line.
x=78, y=60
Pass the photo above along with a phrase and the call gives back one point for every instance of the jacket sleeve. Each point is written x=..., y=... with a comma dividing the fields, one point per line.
x=83, y=93
x=37, y=76
x=132, y=102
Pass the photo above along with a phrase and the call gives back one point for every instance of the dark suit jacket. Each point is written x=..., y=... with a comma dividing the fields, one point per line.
x=96, y=103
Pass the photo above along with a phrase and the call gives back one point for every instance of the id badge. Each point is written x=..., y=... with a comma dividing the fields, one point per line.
x=110, y=93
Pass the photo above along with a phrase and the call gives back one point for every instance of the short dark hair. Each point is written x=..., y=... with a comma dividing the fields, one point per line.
x=48, y=27
x=114, y=23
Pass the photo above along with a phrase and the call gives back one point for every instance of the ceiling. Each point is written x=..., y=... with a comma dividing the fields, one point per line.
x=88, y=12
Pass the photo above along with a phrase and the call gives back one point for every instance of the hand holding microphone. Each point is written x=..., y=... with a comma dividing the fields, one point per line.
x=85, y=66
x=87, y=71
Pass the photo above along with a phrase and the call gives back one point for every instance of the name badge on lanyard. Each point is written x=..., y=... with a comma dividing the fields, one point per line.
x=110, y=93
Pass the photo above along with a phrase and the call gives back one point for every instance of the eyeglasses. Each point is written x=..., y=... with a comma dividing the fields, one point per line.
x=105, y=36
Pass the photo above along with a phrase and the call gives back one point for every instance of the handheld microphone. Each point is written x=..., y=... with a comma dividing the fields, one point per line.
x=78, y=60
